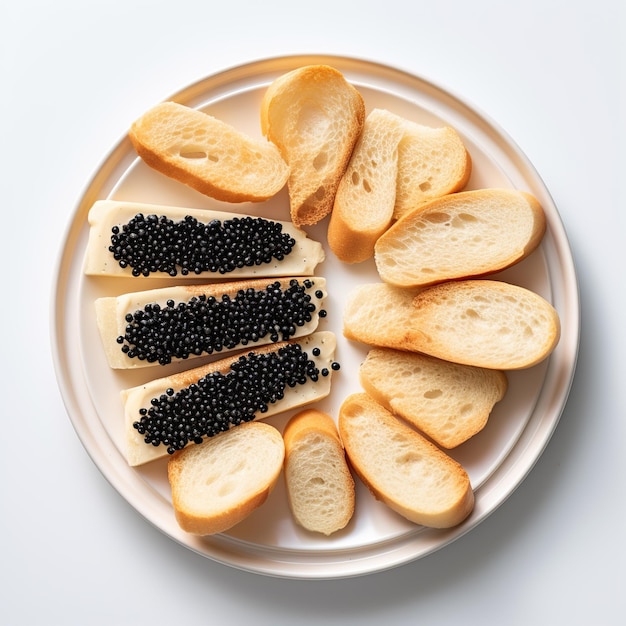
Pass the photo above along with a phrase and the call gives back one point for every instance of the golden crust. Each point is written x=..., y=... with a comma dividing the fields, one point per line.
x=189, y=146
x=320, y=492
x=305, y=422
x=424, y=247
x=438, y=508
x=209, y=523
x=320, y=96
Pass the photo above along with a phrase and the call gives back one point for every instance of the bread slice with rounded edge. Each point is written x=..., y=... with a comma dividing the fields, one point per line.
x=448, y=402
x=208, y=154
x=401, y=468
x=432, y=162
x=105, y=215
x=135, y=399
x=244, y=314
x=218, y=483
x=485, y=323
x=363, y=207
x=461, y=235
x=314, y=116
x=320, y=487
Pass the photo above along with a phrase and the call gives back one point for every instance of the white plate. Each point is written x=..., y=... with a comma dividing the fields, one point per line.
x=268, y=542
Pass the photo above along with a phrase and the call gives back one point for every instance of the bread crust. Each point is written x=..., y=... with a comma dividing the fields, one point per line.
x=189, y=146
x=448, y=402
x=468, y=234
x=480, y=322
x=397, y=464
x=314, y=116
x=432, y=162
x=431, y=303
x=310, y=436
x=219, y=520
x=309, y=421
x=365, y=198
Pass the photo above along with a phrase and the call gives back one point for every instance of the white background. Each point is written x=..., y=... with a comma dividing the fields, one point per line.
x=74, y=74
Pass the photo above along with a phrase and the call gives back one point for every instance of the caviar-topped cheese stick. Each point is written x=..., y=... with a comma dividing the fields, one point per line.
x=159, y=326
x=155, y=241
x=167, y=414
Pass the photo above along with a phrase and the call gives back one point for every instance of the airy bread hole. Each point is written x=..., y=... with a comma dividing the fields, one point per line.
x=319, y=194
x=317, y=480
x=320, y=161
x=240, y=466
x=408, y=458
x=462, y=219
x=431, y=394
x=312, y=121
x=367, y=186
x=425, y=186
x=467, y=217
x=227, y=488
x=191, y=153
x=437, y=217
x=472, y=313
x=355, y=178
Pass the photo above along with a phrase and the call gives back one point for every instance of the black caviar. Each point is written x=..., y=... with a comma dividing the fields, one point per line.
x=219, y=401
x=149, y=244
x=204, y=325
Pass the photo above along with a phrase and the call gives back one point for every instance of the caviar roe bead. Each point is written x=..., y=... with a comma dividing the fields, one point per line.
x=204, y=325
x=219, y=401
x=150, y=244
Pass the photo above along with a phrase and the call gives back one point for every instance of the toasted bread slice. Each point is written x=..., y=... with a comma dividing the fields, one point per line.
x=218, y=483
x=448, y=402
x=365, y=198
x=320, y=487
x=234, y=251
x=158, y=414
x=484, y=323
x=432, y=162
x=315, y=117
x=401, y=468
x=161, y=326
x=461, y=235
x=208, y=154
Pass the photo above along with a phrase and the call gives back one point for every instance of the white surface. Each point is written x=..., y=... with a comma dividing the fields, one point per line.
x=74, y=76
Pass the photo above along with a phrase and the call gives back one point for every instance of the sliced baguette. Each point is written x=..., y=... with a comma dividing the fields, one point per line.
x=105, y=215
x=432, y=162
x=245, y=314
x=461, y=235
x=207, y=154
x=365, y=198
x=446, y=401
x=320, y=487
x=484, y=323
x=315, y=117
x=401, y=468
x=218, y=483
x=138, y=451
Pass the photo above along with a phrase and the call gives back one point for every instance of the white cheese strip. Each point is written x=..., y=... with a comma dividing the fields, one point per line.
x=105, y=214
x=111, y=312
x=138, y=452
